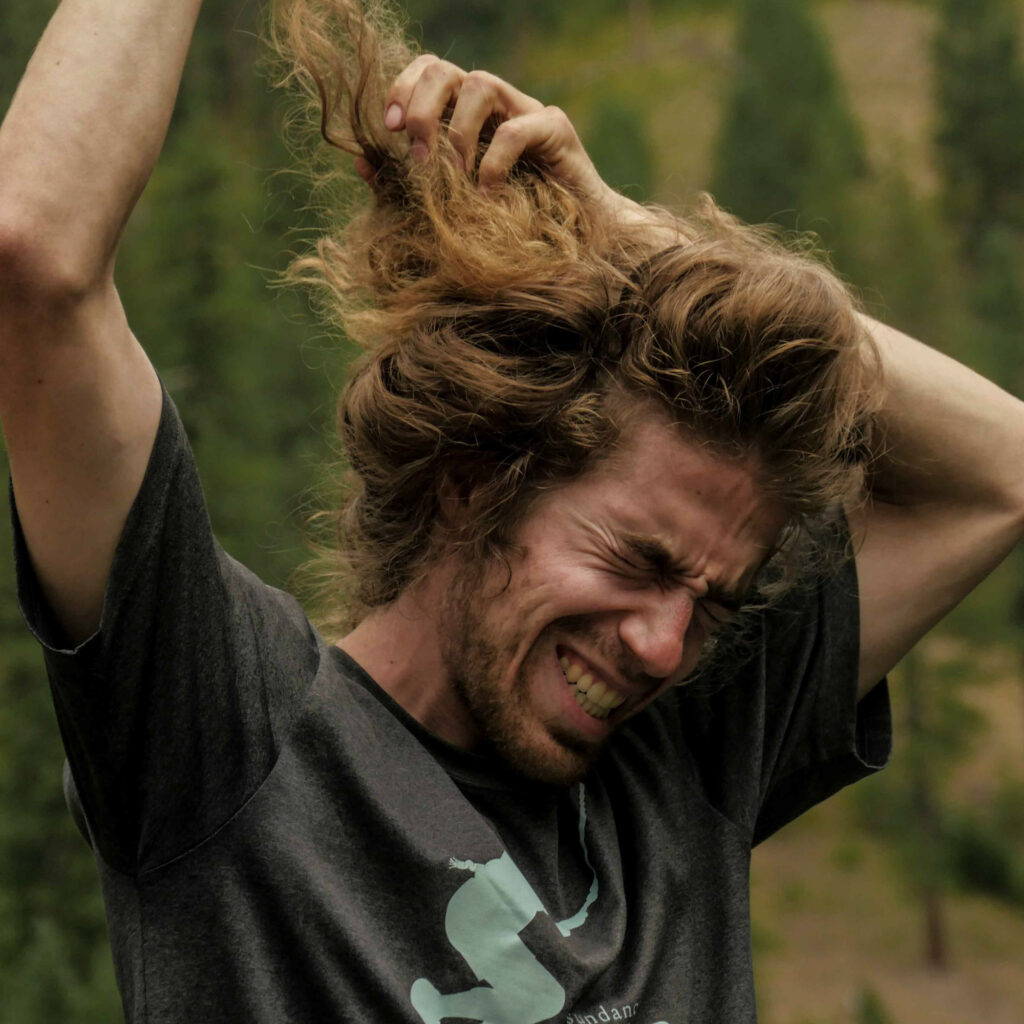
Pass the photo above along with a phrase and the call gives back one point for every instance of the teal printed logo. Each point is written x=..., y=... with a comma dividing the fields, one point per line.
x=484, y=918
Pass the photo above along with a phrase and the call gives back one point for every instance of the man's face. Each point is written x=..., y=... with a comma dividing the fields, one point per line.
x=618, y=581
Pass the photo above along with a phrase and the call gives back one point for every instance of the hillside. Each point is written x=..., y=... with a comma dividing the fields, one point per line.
x=680, y=78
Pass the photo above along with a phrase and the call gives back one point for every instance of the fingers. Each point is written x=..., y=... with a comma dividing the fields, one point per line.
x=483, y=96
x=430, y=89
x=418, y=99
x=548, y=136
x=397, y=99
x=365, y=171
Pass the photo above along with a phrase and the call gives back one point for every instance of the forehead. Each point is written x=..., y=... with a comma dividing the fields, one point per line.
x=709, y=512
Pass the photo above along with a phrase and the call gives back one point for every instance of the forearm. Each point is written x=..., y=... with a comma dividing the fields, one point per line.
x=951, y=437
x=85, y=129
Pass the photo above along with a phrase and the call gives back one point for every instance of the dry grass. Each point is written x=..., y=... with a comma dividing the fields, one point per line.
x=881, y=51
x=834, y=916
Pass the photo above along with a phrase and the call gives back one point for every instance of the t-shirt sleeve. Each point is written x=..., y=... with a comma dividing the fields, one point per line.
x=788, y=731
x=172, y=714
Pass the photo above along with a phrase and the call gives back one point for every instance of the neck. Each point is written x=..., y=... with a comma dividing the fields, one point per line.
x=399, y=645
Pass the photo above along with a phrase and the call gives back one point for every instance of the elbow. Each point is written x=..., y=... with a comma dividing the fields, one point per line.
x=1008, y=503
x=1017, y=509
x=36, y=270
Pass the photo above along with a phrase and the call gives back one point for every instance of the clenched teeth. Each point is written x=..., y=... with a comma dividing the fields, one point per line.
x=595, y=696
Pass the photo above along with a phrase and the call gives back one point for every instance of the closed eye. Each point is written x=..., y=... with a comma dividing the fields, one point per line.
x=717, y=613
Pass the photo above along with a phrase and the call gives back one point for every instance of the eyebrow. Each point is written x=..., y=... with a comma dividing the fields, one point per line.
x=659, y=558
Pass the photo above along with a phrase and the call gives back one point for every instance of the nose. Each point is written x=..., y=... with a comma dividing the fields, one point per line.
x=655, y=631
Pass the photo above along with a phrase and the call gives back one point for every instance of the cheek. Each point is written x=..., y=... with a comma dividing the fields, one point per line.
x=537, y=590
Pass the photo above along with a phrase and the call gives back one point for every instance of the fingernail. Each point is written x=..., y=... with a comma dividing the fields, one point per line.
x=393, y=117
x=419, y=150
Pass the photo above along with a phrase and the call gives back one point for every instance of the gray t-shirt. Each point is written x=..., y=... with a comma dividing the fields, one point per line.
x=278, y=841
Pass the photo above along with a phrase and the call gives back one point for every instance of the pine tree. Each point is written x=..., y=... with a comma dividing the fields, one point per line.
x=979, y=83
x=789, y=147
x=481, y=33
x=980, y=103
x=236, y=361
x=620, y=146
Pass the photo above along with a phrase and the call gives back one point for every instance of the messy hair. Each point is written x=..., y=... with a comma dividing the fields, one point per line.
x=507, y=336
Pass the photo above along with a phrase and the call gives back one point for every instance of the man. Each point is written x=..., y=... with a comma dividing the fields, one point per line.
x=584, y=436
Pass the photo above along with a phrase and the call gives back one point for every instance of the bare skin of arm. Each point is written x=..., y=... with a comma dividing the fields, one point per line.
x=947, y=505
x=79, y=400
x=947, y=502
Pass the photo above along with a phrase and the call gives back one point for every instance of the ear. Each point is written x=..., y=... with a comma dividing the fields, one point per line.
x=454, y=499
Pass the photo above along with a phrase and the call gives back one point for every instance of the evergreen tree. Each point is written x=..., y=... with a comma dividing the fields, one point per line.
x=997, y=301
x=789, y=147
x=480, y=33
x=908, y=805
x=620, y=146
x=980, y=103
x=979, y=86
x=206, y=238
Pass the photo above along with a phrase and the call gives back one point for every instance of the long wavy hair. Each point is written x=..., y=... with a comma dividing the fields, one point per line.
x=507, y=337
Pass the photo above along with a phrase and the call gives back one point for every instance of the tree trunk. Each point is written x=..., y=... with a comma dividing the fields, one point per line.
x=924, y=803
x=640, y=28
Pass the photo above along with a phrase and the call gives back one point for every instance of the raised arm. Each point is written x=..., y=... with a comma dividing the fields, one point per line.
x=948, y=502
x=78, y=398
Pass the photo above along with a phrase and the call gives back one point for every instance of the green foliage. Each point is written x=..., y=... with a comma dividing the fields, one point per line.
x=20, y=27
x=869, y=1008
x=194, y=273
x=194, y=270
x=1008, y=809
x=492, y=34
x=54, y=961
x=789, y=148
x=902, y=257
x=979, y=86
x=41, y=985
x=980, y=100
x=938, y=843
x=983, y=857
x=478, y=33
x=848, y=855
x=997, y=301
x=907, y=804
x=620, y=146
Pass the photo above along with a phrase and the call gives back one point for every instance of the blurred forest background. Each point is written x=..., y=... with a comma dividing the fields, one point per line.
x=894, y=130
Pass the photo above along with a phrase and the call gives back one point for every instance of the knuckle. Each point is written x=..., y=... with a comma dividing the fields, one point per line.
x=478, y=82
x=434, y=71
x=559, y=117
x=510, y=130
x=417, y=124
x=489, y=175
x=446, y=71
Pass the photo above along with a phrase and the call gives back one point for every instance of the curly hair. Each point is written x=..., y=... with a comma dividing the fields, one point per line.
x=506, y=338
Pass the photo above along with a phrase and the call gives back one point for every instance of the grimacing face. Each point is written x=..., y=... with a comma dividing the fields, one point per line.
x=619, y=579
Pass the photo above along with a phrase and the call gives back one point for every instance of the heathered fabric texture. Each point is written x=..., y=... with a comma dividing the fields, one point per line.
x=278, y=841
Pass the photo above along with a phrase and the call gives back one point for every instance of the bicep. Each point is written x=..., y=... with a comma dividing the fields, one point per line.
x=914, y=565
x=80, y=404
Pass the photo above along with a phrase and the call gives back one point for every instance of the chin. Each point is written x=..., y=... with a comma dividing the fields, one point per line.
x=506, y=715
x=544, y=767
x=543, y=757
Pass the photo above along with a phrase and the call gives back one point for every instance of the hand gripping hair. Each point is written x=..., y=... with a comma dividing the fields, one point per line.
x=507, y=335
